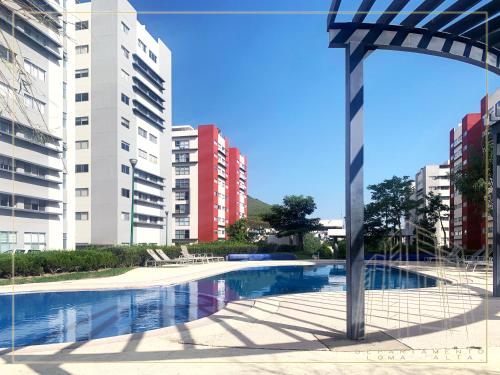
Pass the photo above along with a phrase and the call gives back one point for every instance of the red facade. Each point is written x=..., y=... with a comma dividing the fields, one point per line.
x=219, y=173
x=469, y=227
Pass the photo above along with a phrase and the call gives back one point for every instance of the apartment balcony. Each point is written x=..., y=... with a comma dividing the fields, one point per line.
x=146, y=114
x=31, y=32
x=45, y=13
x=147, y=72
x=149, y=203
x=149, y=179
x=21, y=205
x=148, y=94
x=148, y=220
x=25, y=136
x=17, y=168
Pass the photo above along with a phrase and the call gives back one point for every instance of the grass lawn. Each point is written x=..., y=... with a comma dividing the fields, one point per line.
x=67, y=276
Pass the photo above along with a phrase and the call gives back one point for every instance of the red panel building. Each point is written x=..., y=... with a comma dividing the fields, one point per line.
x=467, y=220
x=222, y=188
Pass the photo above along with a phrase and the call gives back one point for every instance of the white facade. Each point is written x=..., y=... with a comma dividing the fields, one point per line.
x=185, y=197
x=436, y=179
x=123, y=112
x=36, y=175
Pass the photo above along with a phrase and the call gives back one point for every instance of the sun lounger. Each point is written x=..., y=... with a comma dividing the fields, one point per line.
x=166, y=258
x=199, y=257
x=155, y=259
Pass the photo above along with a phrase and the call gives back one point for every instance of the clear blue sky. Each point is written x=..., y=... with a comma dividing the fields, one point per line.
x=275, y=89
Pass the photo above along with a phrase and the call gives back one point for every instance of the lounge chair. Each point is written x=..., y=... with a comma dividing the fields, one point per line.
x=452, y=256
x=199, y=257
x=477, y=259
x=156, y=260
x=166, y=258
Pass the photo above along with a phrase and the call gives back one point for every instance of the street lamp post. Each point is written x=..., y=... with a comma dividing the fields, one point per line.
x=133, y=163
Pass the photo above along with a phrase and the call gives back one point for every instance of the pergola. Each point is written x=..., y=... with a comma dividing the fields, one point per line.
x=458, y=32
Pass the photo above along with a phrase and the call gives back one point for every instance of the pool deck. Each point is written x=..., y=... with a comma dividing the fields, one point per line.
x=451, y=328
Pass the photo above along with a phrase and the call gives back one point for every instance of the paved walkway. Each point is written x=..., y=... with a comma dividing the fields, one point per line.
x=440, y=330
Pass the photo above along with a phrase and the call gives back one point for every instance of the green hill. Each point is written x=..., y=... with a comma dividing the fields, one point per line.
x=256, y=208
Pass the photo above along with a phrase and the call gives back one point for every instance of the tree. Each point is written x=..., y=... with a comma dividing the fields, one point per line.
x=472, y=181
x=238, y=231
x=374, y=226
x=391, y=203
x=291, y=218
x=431, y=213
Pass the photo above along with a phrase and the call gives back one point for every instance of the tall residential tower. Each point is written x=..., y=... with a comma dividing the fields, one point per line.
x=123, y=113
x=36, y=110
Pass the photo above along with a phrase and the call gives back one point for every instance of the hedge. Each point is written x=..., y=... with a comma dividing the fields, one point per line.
x=100, y=257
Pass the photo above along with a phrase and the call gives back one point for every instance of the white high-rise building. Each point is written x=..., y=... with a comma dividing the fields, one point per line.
x=123, y=111
x=436, y=179
x=185, y=183
x=36, y=111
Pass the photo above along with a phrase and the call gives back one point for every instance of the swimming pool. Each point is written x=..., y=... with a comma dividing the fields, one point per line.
x=55, y=317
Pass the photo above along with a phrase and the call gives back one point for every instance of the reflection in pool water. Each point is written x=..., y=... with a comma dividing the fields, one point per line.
x=52, y=317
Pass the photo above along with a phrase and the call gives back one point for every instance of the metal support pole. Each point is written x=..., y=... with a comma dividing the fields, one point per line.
x=133, y=163
x=495, y=129
x=132, y=210
x=355, y=53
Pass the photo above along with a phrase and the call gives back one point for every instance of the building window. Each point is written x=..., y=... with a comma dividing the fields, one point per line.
x=182, y=183
x=182, y=234
x=125, y=216
x=182, y=195
x=125, y=28
x=142, y=132
x=181, y=208
x=82, y=145
x=182, y=221
x=152, y=56
x=81, y=25
x=82, y=97
x=34, y=241
x=125, y=123
x=179, y=171
x=81, y=216
x=125, y=76
x=82, y=192
x=125, y=193
x=81, y=73
x=184, y=144
x=153, y=138
x=153, y=159
x=34, y=70
x=141, y=45
x=82, y=50
x=6, y=54
x=125, y=169
x=83, y=120
x=33, y=103
x=125, y=146
x=81, y=168
x=125, y=52
x=182, y=158
x=125, y=99
x=143, y=154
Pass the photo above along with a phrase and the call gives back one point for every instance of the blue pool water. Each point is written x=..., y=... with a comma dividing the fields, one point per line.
x=54, y=317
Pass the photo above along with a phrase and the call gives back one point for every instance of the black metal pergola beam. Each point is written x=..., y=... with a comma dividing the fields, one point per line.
x=464, y=40
x=454, y=11
x=472, y=19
